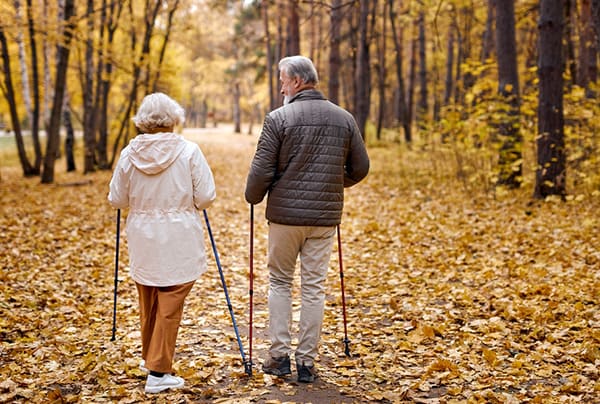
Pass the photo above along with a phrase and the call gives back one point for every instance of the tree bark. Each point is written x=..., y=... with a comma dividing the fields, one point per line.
x=402, y=107
x=237, y=116
x=114, y=16
x=149, y=20
x=269, y=54
x=26, y=91
x=510, y=158
x=293, y=37
x=163, y=49
x=70, y=137
x=89, y=115
x=596, y=20
x=551, y=156
x=588, y=51
x=9, y=93
x=570, y=43
x=363, y=72
x=53, y=136
x=449, y=82
x=35, y=117
x=48, y=56
x=382, y=71
x=412, y=76
x=423, y=95
x=334, y=51
x=488, y=34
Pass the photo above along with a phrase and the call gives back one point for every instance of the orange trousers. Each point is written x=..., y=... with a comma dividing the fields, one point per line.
x=161, y=309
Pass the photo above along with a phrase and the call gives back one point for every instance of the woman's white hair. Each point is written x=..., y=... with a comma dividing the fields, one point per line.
x=158, y=110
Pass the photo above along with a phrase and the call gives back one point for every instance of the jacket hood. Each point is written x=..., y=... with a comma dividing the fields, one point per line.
x=154, y=153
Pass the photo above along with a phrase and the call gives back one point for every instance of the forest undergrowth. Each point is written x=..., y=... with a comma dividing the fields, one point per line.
x=454, y=294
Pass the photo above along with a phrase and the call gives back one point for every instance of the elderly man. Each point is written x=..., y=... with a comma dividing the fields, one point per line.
x=308, y=151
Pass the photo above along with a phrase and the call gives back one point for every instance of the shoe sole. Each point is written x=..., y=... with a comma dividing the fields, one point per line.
x=158, y=389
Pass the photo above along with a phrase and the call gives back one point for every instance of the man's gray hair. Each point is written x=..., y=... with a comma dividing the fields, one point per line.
x=158, y=110
x=300, y=66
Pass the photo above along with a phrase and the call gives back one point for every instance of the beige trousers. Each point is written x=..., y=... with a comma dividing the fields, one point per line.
x=161, y=309
x=313, y=244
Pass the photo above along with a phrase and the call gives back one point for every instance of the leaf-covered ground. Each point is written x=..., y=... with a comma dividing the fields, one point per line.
x=451, y=297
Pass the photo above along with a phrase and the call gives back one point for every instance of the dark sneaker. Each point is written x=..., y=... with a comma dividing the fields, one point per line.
x=306, y=374
x=277, y=366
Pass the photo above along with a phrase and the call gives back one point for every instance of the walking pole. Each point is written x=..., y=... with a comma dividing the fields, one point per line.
x=247, y=366
x=251, y=279
x=114, y=327
x=346, y=340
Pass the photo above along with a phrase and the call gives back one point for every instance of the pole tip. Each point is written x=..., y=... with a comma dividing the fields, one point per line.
x=248, y=368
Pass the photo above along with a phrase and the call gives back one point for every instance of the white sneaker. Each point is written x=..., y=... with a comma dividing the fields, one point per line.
x=143, y=367
x=157, y=384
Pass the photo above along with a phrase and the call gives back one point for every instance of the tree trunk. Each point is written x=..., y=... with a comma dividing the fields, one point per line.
x=237, y=121
x=402, y=108
x=112, y=23
x=279, y=47
x=588, y=51
x=293, y=37
x=163, y=49
x=382, y=71
x=449, y=83
x=570, y=43
x=363, y=72
x=488, y=33
x=35, y=117
x=149, y=19
x=70, y=137
x=203, y=113
x=23, y=64
x=53, y=136
x=269, y=54
x=334, y=51
x=412, y=76
x=596, y=20
x=423, y=102
x=510, y=158
x=101, y=156
x=48, y=57
x=551, y=156
x=12, y=104
x=89, y=115
x=464, y=79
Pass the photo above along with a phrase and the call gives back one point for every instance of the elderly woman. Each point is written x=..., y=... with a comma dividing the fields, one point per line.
x=164, y=180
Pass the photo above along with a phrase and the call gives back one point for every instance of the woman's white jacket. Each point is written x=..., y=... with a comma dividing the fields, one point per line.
x=164, y=180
